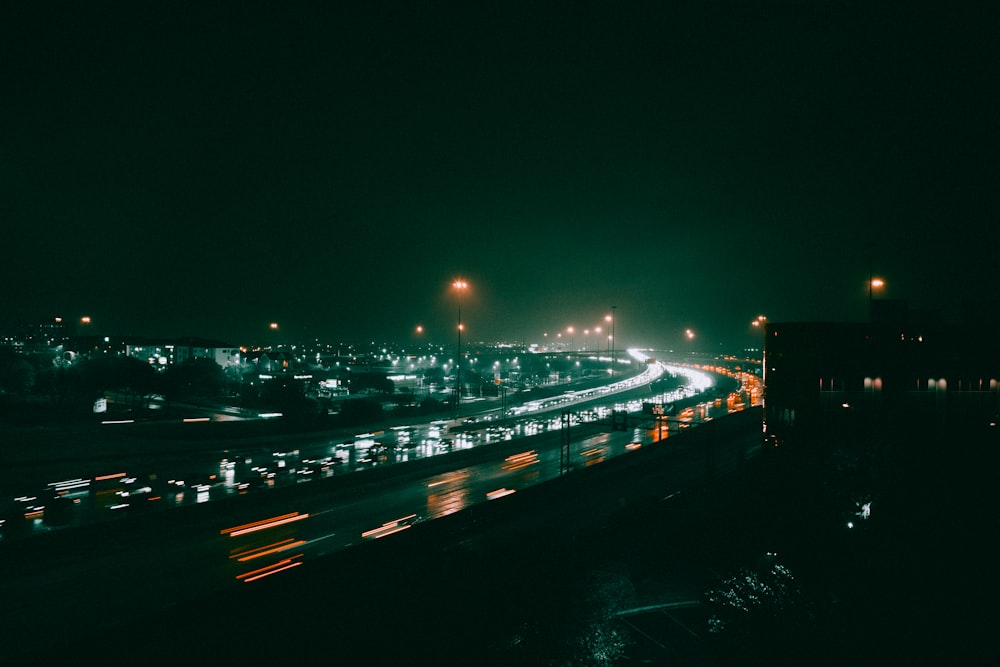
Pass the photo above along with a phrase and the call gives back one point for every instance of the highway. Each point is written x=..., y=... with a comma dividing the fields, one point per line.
x=136, y=481
x=137, y=564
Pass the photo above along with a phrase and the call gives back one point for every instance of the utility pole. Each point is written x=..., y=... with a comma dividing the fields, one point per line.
x=564, y=449
x=871, y=278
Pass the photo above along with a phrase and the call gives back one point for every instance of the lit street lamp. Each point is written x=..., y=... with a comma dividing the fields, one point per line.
x=758, y=323
x=873, y=284
x=460, y=286
x=272, y=338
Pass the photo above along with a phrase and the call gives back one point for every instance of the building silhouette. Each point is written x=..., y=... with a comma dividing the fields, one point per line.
x=905, y=372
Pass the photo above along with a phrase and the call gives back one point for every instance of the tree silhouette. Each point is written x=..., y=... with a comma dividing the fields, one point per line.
x=194, y=378
x=124, y=375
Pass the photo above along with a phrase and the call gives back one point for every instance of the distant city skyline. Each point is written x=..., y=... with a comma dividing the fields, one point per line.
x=570, y=338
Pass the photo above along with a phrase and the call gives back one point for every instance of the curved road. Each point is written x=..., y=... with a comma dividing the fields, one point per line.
x=121, y=569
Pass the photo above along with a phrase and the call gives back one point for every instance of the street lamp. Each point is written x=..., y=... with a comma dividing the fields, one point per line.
x=459, y=286
x=611, y=338
x=873, y=284
x=271, y=339
x=84, y=327
x=758, y=323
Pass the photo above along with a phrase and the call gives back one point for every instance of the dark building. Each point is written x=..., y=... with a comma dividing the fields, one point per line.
x=905, y=372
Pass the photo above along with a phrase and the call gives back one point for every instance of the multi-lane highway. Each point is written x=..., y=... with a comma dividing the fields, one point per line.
x=77, y=493
x=131, y=562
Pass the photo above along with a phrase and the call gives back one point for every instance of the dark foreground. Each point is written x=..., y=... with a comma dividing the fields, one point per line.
x=912, y=584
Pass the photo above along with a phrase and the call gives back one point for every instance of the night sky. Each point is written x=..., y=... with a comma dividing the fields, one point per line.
x=204, y=168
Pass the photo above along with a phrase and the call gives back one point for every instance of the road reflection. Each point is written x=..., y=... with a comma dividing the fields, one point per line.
x=447, y=494
x=83, y=500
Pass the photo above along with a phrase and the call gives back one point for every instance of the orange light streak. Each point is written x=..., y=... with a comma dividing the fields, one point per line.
x=237, y=552
x=397, y=529
x=263, y=524
x=101, y=478
x=265, y=551
x=447, y=481
x=268, y=574
x=389, y=527
x=274, y=568
x=522, y=460
x=257, y=523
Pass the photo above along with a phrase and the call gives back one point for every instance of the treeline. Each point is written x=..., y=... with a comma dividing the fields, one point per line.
x=49, y=388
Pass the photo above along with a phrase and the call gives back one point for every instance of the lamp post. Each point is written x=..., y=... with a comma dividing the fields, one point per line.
x=272, y=336
x=873, y=284
x=758, y=322
x=460, y=286
x=611, y=338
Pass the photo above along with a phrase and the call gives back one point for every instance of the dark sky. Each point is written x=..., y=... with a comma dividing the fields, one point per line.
x=204, y=168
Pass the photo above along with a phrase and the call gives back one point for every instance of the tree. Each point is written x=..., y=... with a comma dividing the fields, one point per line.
x=578, y=626
x=431, y=405
x=759, y=612
x=17, y=376
x=599, y=639
x=433, y=375
x=195, y=377
x=133, y=377
x=372, y=381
